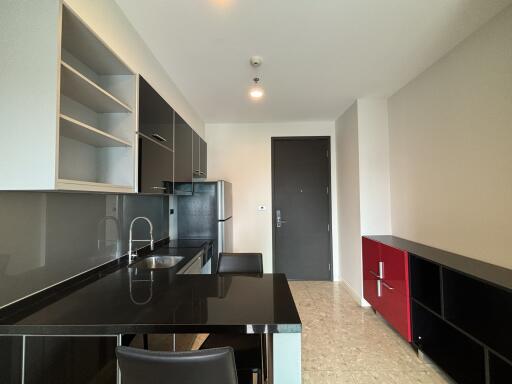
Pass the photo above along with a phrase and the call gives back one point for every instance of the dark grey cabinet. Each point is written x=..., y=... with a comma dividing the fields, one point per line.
x=203, y=158
x=155, y=167
x=200, y=156
x=171, y=153
x=182, y=156
x=155, y=115
x=196, y=154
x=156, y=142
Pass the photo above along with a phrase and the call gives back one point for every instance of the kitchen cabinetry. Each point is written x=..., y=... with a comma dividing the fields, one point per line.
x=156, y=142
x=69, y=121
x=199, y=152
x=386, y=284
x=155, y=167
x=203, y=158
x=183, y=161
x=69, y=117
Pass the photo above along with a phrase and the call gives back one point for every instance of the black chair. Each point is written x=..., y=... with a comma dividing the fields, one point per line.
x=240, y=263
x=248, y=348
x=213, y=366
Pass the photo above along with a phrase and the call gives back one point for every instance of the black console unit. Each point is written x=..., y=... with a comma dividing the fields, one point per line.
x=461, y=311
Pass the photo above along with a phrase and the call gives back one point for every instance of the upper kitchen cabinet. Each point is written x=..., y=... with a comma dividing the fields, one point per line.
x=69, y=121
x=199, y=153
x=156, y=141
x=183, y=162
x=203, y=156
x=196, y=154
x=155, y=115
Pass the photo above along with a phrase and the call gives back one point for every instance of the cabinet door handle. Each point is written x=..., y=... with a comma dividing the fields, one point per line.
x=158, y=137
x=374, y=274
x=160, y=188
x=388, y=286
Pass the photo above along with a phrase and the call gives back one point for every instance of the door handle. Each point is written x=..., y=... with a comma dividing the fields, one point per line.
x=279, y=222
x=160, y=188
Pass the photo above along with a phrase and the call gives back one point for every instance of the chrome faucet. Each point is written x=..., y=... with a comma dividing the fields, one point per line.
x=131, y=253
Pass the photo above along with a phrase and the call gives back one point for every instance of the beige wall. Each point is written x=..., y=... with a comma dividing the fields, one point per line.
x=109, y=22
x=451, y=149
x=241, y=154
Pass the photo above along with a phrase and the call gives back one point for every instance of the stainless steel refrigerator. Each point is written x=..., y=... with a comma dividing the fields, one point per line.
x=207, y=214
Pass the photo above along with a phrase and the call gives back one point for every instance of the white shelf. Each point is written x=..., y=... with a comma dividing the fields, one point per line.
x=79, y=131
x=89, y=48
x=79, y=185
x=79, y=88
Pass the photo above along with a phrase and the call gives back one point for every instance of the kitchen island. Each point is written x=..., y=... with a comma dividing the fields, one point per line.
x=161, y=301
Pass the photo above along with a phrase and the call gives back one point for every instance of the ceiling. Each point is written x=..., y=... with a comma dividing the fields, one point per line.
x=318, y=55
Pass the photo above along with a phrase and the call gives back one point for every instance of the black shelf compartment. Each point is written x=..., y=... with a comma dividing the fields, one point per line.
x=426, y=283
x=500, y=371
x=458, y=355
x=480, y=309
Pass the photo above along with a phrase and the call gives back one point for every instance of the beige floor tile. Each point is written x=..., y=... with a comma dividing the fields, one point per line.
x=344, y=343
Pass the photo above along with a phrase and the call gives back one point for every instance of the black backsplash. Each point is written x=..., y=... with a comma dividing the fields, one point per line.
x=48, y=237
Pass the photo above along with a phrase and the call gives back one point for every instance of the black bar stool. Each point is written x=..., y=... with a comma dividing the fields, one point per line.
x=248, y=348
x=213, y=366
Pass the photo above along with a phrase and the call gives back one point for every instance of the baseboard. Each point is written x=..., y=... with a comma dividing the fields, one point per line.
x=358, y=299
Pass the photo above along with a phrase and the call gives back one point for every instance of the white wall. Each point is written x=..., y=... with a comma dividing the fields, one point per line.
x=363, y=184
x=374, y=166
x=241, y=154
x=451, y=149
x=349, y=213
x=109, y=22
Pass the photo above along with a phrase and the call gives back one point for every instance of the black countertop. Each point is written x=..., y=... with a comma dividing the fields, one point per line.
x=131, y=300
x=488, y=272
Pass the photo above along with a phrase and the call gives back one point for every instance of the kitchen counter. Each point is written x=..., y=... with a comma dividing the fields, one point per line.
x=132, y=300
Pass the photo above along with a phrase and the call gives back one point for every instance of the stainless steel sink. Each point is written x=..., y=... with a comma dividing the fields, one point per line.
x=157, y=262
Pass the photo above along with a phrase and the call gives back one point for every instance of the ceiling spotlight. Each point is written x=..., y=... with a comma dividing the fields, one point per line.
x=256, y=91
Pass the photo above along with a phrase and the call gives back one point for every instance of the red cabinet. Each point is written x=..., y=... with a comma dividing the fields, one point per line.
x=386, y=284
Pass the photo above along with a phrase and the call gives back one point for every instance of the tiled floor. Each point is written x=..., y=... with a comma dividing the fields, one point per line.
x=344, y=343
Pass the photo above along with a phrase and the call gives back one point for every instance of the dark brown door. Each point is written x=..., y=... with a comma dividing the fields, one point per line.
x=301, y=207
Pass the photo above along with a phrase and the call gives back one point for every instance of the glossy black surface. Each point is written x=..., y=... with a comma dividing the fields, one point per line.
x=480, y=309
x=182, y=156
x=203, y=158
x=458, y=355
x=171, y=303
x=500, y=372
x=10, y=358
x=155, y=115
x=485, y=271
x=155, y=167
x=196, y=153
x=426, y=282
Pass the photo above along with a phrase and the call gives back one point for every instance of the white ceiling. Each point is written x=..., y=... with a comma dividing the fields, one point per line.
x=319, y=55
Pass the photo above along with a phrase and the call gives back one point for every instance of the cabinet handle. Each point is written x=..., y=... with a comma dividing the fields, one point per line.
x=160, y=188
x=158, y=137
x=374, y=274
x=388, y=286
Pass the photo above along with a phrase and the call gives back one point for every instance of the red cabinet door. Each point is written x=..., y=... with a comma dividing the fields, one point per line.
x=395, y=289
x=396, y=268
x=395, y=308
x=391, y=300
x=371, y=258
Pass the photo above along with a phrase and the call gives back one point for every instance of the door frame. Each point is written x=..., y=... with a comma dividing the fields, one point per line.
x=290, y=138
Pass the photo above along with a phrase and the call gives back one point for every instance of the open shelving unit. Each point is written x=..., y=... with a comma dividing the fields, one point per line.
x=97, y=123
